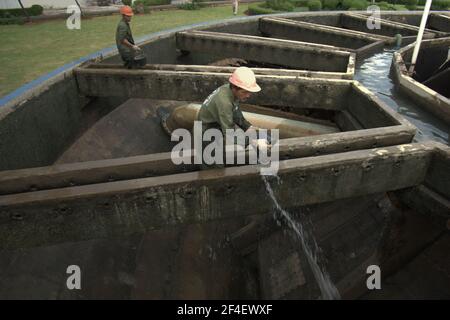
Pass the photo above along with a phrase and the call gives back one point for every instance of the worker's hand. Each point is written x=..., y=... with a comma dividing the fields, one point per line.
x=253, y=128
x=261, y=144
x=136, y=48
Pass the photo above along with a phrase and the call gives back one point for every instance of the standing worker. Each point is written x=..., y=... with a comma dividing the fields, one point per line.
x=124, y=39
x=235, y=6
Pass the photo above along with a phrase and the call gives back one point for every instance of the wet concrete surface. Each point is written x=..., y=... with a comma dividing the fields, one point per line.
x=131, y=129
x=427, y=276
x=373, y=73
x=185, y=262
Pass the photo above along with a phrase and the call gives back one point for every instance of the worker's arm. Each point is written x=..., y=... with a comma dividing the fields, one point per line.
x=122, y=32
x=239, y=119
x=130, y=45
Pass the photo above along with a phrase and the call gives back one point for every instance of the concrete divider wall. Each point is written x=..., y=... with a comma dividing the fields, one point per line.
x=430, y=100
x=366, y=108
x=247, y=27
x=388, y=28
x=439, y=22
x=34, y=131
x=292, y=54
x=195, y=86
x=361, y=44
x=99, y=211
x=438, y=175
x=329, y=19
x=428, y=61
x=408, y=17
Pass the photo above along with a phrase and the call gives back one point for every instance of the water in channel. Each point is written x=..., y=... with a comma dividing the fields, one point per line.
x=373, y=73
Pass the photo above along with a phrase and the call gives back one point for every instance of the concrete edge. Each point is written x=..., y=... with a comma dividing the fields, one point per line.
x=428, y=98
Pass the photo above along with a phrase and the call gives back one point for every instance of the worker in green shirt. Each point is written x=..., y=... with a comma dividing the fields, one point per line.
x=124, y=38
x=221, y=109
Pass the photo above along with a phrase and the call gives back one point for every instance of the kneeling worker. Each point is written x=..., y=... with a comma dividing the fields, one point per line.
x=221, y=109
x=124, y=38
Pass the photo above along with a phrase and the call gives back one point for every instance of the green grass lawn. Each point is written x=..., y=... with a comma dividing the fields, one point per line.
x=29, y=51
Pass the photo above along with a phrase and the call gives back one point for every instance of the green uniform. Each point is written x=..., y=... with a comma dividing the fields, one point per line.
x=124, y=32
x=221, y=110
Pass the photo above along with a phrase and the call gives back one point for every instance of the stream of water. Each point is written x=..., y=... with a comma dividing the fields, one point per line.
x=309, y=246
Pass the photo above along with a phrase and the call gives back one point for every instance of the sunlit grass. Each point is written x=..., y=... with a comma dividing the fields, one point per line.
x=29, y=51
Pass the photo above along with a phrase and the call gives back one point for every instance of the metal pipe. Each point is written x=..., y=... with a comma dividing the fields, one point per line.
x=423, y=23
x=184, y=117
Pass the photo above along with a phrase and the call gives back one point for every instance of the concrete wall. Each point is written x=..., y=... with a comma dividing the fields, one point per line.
x=321, y=18
x=360, y=43
x=315, y=33
x=35, y=133
x=291, y=54
x=125, y=207
x=428, y=61
x=427, y=98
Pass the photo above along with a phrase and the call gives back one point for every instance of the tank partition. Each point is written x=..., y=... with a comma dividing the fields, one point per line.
x=433, y=53
x=291, y=54
x=432, y=196
x=335, y=96
x=355, y=21
x=360, y=43
x=37, y=126
x=125, y=207
x=325, y=18
x=226, y=69
x=439, y=21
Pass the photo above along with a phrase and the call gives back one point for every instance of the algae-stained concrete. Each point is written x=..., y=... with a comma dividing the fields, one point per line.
x=429, y=99
x=34, y=129
x=362, y=108
x=439, y=22
x=196, y=86
x=362, y=44
x=227, y=69
x=126, y=207
x=292, y=54
x=388, y=28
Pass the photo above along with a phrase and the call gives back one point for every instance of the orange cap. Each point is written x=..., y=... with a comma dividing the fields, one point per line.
x=127, y=11
x=244, y=78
